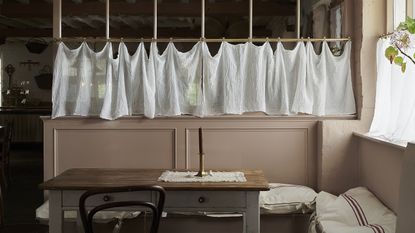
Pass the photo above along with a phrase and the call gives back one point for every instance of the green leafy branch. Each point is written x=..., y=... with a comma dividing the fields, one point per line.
x=400, y=42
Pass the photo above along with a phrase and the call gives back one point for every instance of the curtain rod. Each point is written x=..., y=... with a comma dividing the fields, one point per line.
x=385, y=35
x=195, y=40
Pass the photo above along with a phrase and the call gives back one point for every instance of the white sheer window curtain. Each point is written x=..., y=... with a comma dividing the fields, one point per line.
x=394, y=118
x=238, y=79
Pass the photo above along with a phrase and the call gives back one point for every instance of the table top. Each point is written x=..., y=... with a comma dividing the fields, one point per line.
x=94, y=178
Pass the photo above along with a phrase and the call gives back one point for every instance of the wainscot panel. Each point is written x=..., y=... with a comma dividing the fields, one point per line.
x=284, y=148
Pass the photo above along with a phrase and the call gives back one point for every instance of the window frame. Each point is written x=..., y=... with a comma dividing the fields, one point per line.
x=57, y=19
x=391, y=21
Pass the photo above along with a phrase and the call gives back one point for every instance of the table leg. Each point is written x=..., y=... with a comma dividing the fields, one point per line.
x=252, y=217
x=55, y=212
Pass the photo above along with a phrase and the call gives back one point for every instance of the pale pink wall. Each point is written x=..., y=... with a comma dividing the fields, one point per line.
x=337, y=150
x=284, y=148
x=380, y=168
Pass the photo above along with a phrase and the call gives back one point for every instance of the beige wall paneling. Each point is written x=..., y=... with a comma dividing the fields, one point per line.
x=114, y=148
x=387, y=170
x=284, y=152
x=406, y=213
x=379, y=168
x=284, y=149
x=98, y=143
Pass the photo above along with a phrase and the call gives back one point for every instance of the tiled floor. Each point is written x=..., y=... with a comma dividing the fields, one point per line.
x=23, y=196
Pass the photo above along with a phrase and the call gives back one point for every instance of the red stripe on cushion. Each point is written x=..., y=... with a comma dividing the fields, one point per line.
x=382, y=230
x=359, y=209
x=374, y=229
x=359, y=221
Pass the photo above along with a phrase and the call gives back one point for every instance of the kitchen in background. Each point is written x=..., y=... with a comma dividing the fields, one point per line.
x=26, y=80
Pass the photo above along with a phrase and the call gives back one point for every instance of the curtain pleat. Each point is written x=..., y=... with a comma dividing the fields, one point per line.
x=239, y=78
x=286, y=85
x=138, y=72
x=178, y=78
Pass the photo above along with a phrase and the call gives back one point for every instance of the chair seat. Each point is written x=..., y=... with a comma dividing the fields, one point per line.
x=25, y=228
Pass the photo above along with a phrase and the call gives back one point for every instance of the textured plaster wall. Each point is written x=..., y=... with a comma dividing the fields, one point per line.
x=337, y=151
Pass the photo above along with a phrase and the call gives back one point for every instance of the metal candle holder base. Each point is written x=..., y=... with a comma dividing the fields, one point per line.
x=201, y=172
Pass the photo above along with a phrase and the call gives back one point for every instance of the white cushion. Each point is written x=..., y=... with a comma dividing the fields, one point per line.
x=356, y=211
x=287, y=198
x=42, y=214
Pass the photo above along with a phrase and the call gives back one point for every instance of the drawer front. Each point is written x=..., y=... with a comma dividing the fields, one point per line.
x=71, y=199
x=206, y=199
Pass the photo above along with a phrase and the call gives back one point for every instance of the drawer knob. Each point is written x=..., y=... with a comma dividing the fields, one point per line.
x=106, y=198
x=202, y=199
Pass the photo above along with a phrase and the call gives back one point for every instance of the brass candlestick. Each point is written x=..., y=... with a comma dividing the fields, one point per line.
x=201, y=172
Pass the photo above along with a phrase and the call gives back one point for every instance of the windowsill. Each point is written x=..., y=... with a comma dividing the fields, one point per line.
x=246, y=116
x=380, y=141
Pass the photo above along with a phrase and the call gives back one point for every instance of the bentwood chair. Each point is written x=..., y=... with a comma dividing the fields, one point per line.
x=17, y=228
x=155, y=208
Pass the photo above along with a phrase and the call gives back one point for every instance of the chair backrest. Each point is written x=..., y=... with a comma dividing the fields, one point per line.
x=155, y=208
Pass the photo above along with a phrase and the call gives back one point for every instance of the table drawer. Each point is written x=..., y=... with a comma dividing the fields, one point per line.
x=72, y=198
x=211, y=199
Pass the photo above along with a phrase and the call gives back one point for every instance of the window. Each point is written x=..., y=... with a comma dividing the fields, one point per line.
x=222, y=18
x=399, y=12
x=394, y=120
x=413, y=8
x=83, y=19
x=172, y=79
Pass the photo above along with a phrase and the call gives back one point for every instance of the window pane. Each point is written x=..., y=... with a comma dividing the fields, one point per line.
x=179, y=18
x=274, y=18
x=399, y=12
x=83, y=18
x=227, y=18
x=131, y=18
x=322, y=19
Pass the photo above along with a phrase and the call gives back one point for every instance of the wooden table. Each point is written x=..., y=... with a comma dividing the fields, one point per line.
x=65, y=190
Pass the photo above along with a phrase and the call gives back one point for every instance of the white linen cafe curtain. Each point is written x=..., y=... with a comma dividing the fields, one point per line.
x=394, y=118
x=239, y=78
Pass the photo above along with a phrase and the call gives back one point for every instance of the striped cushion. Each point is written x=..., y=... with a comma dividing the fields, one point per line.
x=356, y=211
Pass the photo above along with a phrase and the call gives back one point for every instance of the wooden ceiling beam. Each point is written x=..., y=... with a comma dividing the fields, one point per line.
x=192, y=9
x=24, y=1
x=68, y=21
